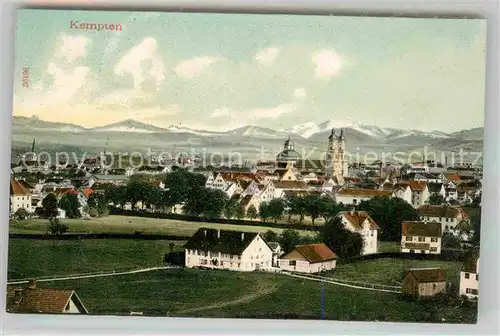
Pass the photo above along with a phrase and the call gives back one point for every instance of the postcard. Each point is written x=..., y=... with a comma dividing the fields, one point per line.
x=246, y=166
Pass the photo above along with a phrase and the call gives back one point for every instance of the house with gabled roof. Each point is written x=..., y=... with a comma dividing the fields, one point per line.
x=310, y=258
x=469, y=275
x=419, y=192
x=424, y=282
x=448, y=216
x=421, y=237
x=437, y=188
x=362, y=223
x=43, y=301
x=20, y=196
x=227, y=249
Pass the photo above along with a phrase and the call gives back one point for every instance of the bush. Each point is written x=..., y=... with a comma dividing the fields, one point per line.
x=93, y=212
x=21, y=214
x=57, y=228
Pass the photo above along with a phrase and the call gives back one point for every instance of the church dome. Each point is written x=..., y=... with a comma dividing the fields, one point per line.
x=288, y=155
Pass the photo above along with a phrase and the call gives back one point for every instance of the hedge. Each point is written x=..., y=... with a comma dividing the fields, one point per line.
x=138, y=213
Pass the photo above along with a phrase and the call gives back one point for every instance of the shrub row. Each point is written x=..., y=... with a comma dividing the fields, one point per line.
x=446, y=255
x=138, y=213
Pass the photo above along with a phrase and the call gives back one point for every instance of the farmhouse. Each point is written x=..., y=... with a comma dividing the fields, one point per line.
x=362, y=223
x=424, y=282
x=469, y=276
x=45, y=301
x=225, y=249
x=449, y=217
x=310, y=258
x=20, y=196
x=421, y=237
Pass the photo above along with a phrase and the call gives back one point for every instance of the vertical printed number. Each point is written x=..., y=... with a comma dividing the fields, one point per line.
x=26, y=77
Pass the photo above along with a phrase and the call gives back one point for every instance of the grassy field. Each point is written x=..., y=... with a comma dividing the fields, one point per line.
x=187, y=292
x=384, y=247
x=35, y=258
x=390, y=271
x=128, y=224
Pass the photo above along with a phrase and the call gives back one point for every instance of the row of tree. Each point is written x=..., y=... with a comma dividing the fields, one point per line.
x=333, y=234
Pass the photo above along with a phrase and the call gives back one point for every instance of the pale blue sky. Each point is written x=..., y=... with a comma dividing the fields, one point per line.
x=220, y=71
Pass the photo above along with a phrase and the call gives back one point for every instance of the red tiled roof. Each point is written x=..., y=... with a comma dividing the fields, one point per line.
x=364, y=192
x=17, y=189
x=290, y=185
x=87, y=192
x=40, y=300
x=315, y=252
x=357, y=218
x=452, y=177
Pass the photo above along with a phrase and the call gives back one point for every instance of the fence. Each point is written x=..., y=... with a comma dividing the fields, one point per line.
x=355, y=283
x=137, y=213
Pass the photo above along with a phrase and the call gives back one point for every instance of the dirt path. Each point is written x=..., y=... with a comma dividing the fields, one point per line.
x=262, y=290
x=93, y=275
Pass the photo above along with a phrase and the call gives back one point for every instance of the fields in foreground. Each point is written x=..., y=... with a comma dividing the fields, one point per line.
x=129, y=224
x=187, y=292
x=390, y=271
x=35, y=258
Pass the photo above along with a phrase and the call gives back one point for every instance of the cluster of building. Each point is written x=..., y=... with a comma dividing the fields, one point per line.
x=249, y=251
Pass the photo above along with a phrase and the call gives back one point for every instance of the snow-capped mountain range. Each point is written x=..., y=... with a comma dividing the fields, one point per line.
x=308, y=131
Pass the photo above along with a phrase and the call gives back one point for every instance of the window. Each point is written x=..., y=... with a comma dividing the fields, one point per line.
x=239, y=265
x=412, y=251
x=446, y=227
x=467, y=275
x=434, y=240
x=260, y=249
x=408, y=238
x=477, y=277
x=293, y=263
x=434, y=249
x=203, y=262
x=471, y=291
x=433, y=286
x=257, y=257
x=189, y=251
x=421, y=239
x=354, y=201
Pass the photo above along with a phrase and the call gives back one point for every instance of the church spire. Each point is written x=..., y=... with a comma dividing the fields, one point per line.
x=33, y=146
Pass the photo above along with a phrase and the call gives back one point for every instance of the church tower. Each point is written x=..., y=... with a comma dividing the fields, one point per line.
x=336, y=161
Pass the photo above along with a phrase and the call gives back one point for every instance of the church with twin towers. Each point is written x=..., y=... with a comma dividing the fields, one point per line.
x=335, y=163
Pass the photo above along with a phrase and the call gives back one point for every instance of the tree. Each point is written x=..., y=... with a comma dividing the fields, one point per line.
x=331, y=210
x=239, y=211
x=343, y=242
x=230, y=208
x=264, y=211
x=57, y=228
x=389, y=213
x=206, y=202
x=315, y=206
x=181, y=184
x=289, y=239
x=436, y=199
x=450, y=241
x=137, y=191
x=252, y=212
x=117, y=195
x=271, y=236
x=297, y=206
x=475, y=222
x=21, y=214
x=71, y=205
x=49, y=206
x=276, y=207
x=93, y=212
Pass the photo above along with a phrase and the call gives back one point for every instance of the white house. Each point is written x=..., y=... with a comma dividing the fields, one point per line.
x=231, y=250
x=437, y=188
x=421, y=237
x=281, y=186
x=20, y=196
x=403, y=191
x=469, y=277
x=362, y=223
x=449, y=217
x=419, y=192
x=356, y=196
x=310, y=258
